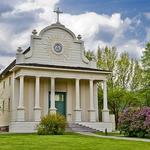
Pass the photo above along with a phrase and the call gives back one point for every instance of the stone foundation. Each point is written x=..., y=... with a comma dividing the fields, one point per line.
x=23, y=127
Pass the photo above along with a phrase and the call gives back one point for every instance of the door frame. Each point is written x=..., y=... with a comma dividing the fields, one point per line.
x=65, y=101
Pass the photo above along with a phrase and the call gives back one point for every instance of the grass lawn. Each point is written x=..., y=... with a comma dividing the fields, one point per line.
x=66, y=142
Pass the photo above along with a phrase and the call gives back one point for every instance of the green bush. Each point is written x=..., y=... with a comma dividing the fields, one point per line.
x=52, y=124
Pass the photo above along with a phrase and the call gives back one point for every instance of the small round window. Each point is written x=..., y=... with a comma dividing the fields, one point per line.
x=58, y=48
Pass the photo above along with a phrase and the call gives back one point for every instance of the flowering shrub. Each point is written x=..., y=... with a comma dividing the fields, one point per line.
x=135, y=121
x=53, y=124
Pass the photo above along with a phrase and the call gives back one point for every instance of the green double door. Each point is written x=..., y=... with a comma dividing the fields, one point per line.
x=60, y=102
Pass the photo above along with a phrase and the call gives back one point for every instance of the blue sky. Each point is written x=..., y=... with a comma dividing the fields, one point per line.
x=125, y=7
x=121, y=23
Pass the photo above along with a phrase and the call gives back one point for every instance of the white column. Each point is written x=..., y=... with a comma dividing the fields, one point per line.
x=91, y=95
x=92, y=113
x=96, y=100
x=77, y=104
x=21, y=92
x=20, y=109
x=105, y=105
x=37, y=109
x=13, y=102
x=52, y=107
x=105, y=111
x=46, y=91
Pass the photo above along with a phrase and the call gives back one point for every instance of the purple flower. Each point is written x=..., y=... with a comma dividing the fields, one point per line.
x=135, y=120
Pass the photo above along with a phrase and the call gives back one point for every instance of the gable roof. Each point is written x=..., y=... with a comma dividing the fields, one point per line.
x=7, y=69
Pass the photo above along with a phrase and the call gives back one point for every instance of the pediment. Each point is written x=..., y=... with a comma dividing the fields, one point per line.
x=57, y=26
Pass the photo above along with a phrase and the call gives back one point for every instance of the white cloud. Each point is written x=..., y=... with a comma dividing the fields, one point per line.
x=36, y=4
x=133, y=47
x=47, y=6
x=90, y=23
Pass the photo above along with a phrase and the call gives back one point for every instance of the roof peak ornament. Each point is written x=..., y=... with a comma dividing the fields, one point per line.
x=58, y=12
x=19, y=50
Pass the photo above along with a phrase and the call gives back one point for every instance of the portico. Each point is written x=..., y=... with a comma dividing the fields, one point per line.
x=78, y=109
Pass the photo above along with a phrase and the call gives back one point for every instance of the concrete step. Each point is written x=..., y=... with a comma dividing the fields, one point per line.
x=79, y=128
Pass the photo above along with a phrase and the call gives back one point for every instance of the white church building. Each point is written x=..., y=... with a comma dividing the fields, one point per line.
x=52, y=75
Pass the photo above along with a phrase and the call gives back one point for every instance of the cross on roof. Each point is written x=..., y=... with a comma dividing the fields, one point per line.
x=58, y=12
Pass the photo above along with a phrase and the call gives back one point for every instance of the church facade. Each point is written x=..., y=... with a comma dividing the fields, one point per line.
x=53, y=76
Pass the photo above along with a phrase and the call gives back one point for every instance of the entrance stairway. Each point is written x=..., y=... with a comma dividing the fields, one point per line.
x=74, y=127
